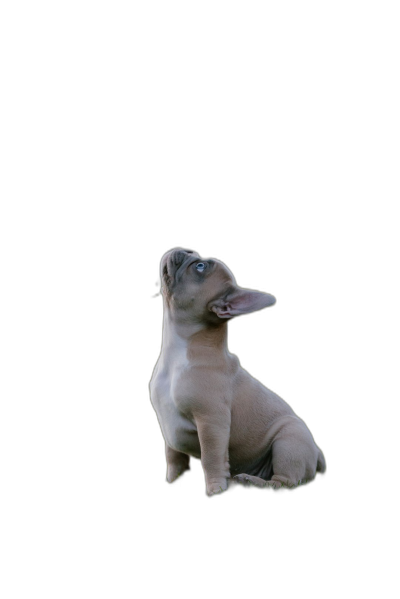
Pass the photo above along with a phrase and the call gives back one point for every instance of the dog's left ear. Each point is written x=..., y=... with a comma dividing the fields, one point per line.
x=241, y=301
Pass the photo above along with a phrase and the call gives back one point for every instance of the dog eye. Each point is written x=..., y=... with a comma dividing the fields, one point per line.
x=200, y=266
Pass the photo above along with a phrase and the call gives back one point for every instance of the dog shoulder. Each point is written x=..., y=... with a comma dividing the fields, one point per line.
x=202, y=390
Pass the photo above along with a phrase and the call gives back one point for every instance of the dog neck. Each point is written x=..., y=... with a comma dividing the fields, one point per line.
x=193, y=337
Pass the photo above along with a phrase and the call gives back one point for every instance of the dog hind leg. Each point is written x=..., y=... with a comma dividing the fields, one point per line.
x=276, y=481
x=295, y=461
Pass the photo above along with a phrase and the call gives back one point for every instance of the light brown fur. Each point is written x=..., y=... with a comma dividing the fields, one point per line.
x=207, y=405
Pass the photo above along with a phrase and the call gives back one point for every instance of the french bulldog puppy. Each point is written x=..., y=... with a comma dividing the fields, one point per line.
x=207, y=405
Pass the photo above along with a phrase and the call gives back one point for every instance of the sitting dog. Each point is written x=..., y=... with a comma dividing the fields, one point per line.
x=207, y=405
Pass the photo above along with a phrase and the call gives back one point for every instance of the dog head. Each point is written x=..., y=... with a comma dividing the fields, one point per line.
x=204, y=289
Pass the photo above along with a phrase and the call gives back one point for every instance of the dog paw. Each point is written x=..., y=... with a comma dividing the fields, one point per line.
x=217, y=487
x=175, y=472
x=243, y=479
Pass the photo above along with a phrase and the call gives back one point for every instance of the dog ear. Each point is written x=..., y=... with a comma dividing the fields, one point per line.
x=241, y=301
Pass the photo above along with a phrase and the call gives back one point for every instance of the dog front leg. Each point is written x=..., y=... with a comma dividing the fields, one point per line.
x=177, y=463
x=214, y=443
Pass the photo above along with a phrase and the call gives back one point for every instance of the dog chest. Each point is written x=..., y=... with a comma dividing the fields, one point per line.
x=178, y=431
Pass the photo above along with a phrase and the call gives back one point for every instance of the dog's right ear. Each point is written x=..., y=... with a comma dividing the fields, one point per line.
x=241, y=301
